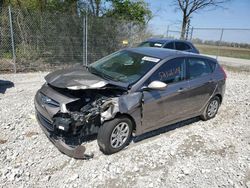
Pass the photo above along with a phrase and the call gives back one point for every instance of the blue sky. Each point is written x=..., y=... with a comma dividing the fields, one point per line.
x=236, y=15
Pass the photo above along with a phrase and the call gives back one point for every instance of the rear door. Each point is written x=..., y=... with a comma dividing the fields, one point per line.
x=201, y=81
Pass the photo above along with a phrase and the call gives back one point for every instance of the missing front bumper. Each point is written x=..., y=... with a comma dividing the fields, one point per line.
x=77, y=152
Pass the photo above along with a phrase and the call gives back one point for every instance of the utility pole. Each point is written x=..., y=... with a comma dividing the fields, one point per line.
x=167, y=31
x=221, y=35
x=187, y=30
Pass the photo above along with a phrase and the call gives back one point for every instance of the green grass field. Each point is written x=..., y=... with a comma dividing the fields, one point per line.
x=242, y=53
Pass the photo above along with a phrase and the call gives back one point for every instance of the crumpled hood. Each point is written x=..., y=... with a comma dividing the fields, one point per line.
x=75, y=78
x=79, y=77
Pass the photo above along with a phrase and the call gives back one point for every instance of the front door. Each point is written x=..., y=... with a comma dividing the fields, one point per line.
x=163, y=106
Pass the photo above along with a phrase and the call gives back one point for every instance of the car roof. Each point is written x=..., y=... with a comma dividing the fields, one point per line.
x=163, y=53
x=165, y=40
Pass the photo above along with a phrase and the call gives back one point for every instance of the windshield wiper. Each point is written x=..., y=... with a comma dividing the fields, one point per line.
x=94, y=71
x=102, y=74
x=99, y=73
x=109, y=77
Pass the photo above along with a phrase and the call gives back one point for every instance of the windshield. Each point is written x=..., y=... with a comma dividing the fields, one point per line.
x=151, y=44
x=123, y=66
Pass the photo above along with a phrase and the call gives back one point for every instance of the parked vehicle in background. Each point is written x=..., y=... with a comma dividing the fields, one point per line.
x=174, y=44
x=134, y=90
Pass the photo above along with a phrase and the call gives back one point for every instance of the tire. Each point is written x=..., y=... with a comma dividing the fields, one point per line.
x=114, y=135
x=211, y=108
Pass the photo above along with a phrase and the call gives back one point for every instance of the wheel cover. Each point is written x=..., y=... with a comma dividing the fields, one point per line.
x=119, y=135
x=212, y=108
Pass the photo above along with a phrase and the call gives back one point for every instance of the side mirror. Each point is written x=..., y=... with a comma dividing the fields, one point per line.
x=157, y=85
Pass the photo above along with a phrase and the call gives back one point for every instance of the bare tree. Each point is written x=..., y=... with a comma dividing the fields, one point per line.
x=95, y=7
x=188, y=7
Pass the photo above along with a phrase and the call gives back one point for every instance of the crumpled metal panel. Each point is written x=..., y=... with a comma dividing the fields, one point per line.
x=76, y=76
x=130, y=104
x=79, y=77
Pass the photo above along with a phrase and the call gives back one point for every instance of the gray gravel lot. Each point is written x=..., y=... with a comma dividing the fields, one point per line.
x=214, y=153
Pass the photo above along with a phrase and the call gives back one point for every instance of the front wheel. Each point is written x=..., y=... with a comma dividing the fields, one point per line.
x=114, y=135
x=211, y=109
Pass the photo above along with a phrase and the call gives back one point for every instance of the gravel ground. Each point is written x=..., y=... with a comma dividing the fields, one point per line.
x=215, y=153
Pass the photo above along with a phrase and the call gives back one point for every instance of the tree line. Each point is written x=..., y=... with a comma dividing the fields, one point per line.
x=52, y=32
x=120, y=9
x=221, y=43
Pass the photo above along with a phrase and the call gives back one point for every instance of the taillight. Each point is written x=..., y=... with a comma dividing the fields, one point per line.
x=223, y=71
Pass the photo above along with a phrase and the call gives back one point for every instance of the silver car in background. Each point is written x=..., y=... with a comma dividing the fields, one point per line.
x=134, y=90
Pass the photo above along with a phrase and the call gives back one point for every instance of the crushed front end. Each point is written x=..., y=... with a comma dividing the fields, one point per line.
x=71, y=117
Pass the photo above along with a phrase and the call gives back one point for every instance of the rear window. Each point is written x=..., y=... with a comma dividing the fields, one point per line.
x=212, y=64
x=181, y=46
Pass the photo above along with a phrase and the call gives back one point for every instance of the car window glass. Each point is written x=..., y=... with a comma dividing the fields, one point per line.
x=181, y=46
x=212, y=64
x=169, y=45
x=150, y=44
x=123, y=66
x=197, y=67
x=170, y=72
x=145, y=44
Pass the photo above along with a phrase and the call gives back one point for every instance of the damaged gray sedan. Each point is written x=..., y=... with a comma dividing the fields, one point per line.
x=132, y=91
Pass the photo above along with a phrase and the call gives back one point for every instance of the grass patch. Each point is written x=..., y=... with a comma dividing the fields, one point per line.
x=243, y=53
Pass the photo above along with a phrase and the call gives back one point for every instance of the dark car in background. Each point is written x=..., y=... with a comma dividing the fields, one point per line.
x=134, y=90
x=174, y=44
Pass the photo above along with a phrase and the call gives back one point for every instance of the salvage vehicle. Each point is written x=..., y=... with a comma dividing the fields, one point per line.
x=174, y=44
x=130, y=92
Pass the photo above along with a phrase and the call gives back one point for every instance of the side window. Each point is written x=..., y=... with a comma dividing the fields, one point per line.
x=181, y=46
x=169, y=45
x=170, y=72
x=197, y=67
x=212, y=64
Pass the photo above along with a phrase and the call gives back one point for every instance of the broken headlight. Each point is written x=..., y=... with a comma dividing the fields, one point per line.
x=48, y=101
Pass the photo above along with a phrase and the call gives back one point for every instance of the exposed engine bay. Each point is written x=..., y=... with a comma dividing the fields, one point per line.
x=83, y=117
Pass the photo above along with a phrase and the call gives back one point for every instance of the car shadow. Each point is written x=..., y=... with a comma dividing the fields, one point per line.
x=165, y=129
x=141, y=137
x=4, y=85
x=152, y=133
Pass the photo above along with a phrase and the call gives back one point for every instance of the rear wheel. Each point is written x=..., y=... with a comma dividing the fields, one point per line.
x=114, y=135
x=211, y=109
